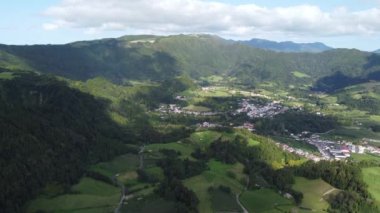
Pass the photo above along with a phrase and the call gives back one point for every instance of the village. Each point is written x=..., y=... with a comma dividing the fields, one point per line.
x=328, y=149
x=261, y=111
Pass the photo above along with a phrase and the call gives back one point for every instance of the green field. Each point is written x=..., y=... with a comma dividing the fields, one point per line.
x=88, y=195
x=6, y=75
x=215, y=177
x=366, y=157
x=123, y=163
x=216, y=92
x=197, y=108
x=265, y=200
x=351, y=133
x=148, y=204
x=184, y=148
x=371, y=176
x=204, y=138
x=224, y=202
x=296, y=144
x=314, y=193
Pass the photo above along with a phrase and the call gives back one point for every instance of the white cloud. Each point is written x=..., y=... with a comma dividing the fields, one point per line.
x=199, y=16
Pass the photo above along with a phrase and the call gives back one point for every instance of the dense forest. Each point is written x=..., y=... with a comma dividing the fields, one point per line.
x=50, y=133
x=295, y=122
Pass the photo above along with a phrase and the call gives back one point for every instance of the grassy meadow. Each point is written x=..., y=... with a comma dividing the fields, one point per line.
x=265, y=200
x=371, y=177
x=314, y=193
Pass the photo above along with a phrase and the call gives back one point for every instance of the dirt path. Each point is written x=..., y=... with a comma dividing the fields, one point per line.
x=238, y=196
x=123, y=196
x=328, y=192
x=241, y=205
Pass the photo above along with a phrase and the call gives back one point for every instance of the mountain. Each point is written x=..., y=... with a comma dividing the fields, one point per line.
x=287, y=46
x=157, y=58
x=377, y=51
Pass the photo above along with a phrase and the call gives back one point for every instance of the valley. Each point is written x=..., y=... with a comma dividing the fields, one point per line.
x=183, y=124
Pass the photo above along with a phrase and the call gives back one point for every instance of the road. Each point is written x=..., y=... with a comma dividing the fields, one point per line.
x=238, y=196
x=241, y=205
x=123, y=196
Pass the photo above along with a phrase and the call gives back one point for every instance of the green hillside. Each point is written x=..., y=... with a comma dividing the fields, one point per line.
x=158, y=58
x=50, y=133
x=315, y=193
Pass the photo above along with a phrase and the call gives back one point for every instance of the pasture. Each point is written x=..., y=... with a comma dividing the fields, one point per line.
x=371, y=176
x=314, y=193
x=88, y=195
x=265, y=200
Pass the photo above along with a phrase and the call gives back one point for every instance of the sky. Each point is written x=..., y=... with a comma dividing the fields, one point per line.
x=337, y=23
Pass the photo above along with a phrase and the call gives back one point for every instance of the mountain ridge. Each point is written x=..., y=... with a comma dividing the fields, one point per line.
x=158, y=58
x=287, y=46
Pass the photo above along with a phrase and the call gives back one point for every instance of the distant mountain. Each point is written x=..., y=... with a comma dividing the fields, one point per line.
x=377, y=51
x=287, y=46
x=159, y=58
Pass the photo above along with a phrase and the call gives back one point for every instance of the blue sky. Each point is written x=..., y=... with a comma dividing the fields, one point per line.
x=338, y=23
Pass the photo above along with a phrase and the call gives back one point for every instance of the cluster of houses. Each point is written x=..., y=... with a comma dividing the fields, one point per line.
x=247, y=125
x=329, y=150
x=258, y=111
x=208, y=125
x=175, y=109
x=335, y=150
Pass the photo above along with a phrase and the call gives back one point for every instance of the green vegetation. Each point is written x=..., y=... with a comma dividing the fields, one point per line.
x=117, y=165
x=352, y=134
x=184, y=148
x=88, y=195
x=204, y=138
x=296, y=144
x=44, y=123
x=215, y=177
x=265, y=200
x=371, y=177
x=6, y=75
x=365, y=157
x=223, y=201
x=346, y=176
x=102, y=111
x=131, y=58
x=314, y=193
x=197, y=108
x=148, y=204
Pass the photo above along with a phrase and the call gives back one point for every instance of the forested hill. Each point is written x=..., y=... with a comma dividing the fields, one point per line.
x=49, y=133
x=158, y=58
x=287, y=46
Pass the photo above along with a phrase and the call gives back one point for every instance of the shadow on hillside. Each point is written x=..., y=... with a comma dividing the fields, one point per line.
x=109, y=59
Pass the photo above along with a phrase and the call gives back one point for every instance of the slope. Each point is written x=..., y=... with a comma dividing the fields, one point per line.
x=49, y=133
x=159, y=58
